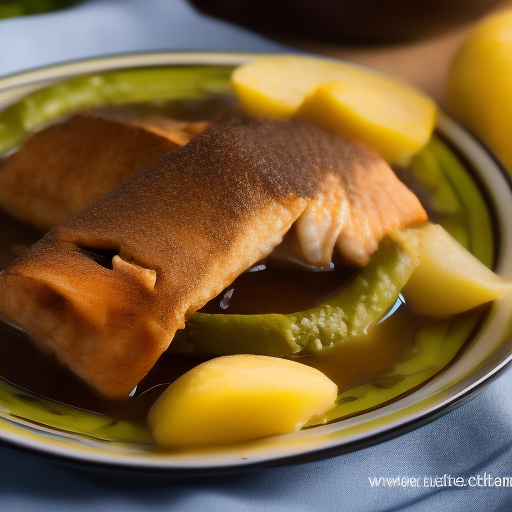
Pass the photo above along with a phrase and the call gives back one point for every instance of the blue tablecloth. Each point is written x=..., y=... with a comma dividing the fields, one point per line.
x=473, y=442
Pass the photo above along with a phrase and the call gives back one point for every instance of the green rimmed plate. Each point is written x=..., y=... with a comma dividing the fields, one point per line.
x=450, y=361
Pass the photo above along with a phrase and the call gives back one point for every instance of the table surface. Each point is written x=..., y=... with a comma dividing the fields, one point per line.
x=474, y=440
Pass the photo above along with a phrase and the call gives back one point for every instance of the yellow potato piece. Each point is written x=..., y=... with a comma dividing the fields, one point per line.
x=480, y=84
x=448, y=279
x=238, y=398
x=390, y=117
x=276, y=85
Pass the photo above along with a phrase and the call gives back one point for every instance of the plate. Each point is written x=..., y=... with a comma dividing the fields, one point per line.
x=435, y=378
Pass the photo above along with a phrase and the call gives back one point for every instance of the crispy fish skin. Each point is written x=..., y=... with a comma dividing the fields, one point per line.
x=181, y=231
x=64, y=168
x=179, y=132
x=81, y=314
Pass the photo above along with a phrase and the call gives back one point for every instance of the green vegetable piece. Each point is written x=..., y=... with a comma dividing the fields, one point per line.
x=344, y=317
x=426, y=169
x=38, y=109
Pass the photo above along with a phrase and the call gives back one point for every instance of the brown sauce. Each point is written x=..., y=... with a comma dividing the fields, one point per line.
x=266, y=289
x=209, y=109
x=23, y=364
x=386, y=344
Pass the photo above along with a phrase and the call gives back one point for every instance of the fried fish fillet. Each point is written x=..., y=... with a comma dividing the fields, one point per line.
x=64, y=168
x=106, y=291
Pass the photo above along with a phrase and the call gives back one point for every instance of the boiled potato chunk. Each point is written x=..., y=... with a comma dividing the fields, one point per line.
x=448, y=279
x=480, y=84
x=238, y=398
x=276, y=85
x=361, y=104
x=388, y=116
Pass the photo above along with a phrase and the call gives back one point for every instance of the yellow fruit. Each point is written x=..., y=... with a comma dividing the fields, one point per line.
x=448, y=279
x=361, y=104
x=238, y=398
x=480, y=84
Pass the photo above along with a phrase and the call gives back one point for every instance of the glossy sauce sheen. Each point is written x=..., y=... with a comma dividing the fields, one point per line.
x=265, y=289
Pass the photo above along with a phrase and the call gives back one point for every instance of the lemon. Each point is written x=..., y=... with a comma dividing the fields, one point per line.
x=480, y=84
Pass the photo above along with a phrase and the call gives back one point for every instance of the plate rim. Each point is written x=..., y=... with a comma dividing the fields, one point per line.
x=48, y=74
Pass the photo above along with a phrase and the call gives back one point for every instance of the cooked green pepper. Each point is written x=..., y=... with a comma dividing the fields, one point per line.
x=342, y=318
x=46, y=105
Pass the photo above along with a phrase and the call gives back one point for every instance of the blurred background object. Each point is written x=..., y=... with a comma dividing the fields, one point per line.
x=479, y=89
x=367, y=21
x=12, y=8
x=413, y=41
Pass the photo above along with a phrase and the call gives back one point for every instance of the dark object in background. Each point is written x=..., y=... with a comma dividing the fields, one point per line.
x=361, y=21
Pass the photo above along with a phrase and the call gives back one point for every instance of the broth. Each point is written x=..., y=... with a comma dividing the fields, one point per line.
x=268, y=288
x=24, y=365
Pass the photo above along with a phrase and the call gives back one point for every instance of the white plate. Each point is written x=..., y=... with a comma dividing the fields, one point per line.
x=482, y=358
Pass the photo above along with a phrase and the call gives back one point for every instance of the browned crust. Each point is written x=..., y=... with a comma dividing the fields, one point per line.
x=64, y=168
x=198, y=217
